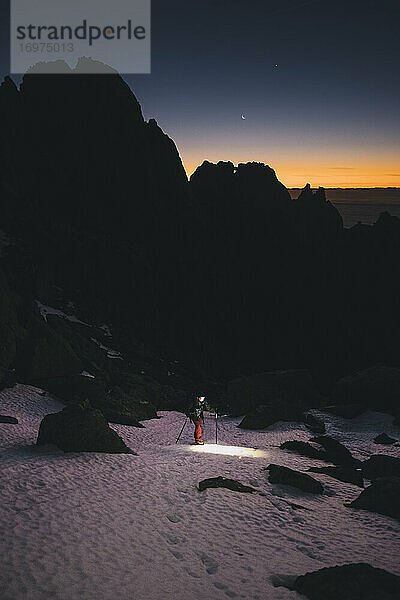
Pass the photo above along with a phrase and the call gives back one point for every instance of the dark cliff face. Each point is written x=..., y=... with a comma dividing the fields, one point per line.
x=226, y=271
x=88, y=154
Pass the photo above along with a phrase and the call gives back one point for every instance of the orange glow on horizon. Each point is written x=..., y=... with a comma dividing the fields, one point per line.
x=296, y=176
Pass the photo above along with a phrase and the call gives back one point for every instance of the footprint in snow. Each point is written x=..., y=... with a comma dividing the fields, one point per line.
x=225, y=589
x=177, y=555
x=172, y=539
x=210, y=564
x=174, y=518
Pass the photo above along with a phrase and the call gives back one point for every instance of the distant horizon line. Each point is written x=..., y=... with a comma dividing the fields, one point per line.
x=373, y=187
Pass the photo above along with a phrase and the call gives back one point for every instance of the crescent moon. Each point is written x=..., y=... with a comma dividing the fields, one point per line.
x=243, y=117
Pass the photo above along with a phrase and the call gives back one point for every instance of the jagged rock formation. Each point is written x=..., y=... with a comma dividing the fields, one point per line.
x=225, y=271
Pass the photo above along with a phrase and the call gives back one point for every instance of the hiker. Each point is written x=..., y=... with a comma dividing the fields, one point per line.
x=195, y=414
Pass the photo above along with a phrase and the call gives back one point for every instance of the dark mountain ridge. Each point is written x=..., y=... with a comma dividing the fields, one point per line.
x=225, y=272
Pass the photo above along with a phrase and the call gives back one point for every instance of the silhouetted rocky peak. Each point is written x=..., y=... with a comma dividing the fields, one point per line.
x=255, y=172
x=316, y=214
x=253, y=183
x=308, y=196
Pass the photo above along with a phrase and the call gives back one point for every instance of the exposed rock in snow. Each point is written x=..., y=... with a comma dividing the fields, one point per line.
x=345, y=474
x=382, y=496
x=279, y=474
x=357, y=581
x=222, y=482
x=314, y=424
x=335, y=450
x=381, y=465
x=80, y=428
x=102, y=526
x=9, y=420
x=305, y=449
x=384, y=440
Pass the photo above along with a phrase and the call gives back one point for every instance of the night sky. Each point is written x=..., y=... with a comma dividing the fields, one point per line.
x=327, y=114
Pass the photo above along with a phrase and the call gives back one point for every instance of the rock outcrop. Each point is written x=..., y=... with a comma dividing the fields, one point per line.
x=358, y=581
x=382, y=496
x=345, y=474
x=80, y=428
x=286, y=476
x=380, y=465
x=384, y=439
x=304, y=449
x=9, y=420
x=336, y=452
x=222, y=482
x=314, y=424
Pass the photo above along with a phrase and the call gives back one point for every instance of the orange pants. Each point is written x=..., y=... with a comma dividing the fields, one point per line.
x=197, y=430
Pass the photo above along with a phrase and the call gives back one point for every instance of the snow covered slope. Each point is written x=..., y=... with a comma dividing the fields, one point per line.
x=105, y=527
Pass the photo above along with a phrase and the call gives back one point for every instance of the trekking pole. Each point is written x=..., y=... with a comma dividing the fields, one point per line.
x=216, y=426
x=204, y=428
x=184, y=425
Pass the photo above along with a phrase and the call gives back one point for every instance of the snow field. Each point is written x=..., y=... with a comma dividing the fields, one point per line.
x=104, y=527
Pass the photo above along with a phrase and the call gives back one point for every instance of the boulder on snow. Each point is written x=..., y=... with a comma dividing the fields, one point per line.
x=80, y=428
x=335, y=451
x=286, y=476
x=382, y=496
x=314, y=424
x=380, y=465
x=347, y=411
x=10, y=420
x=229, y=484
x=357, y=581
x=345, y=474
x=384, y=440
x=304, y=449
